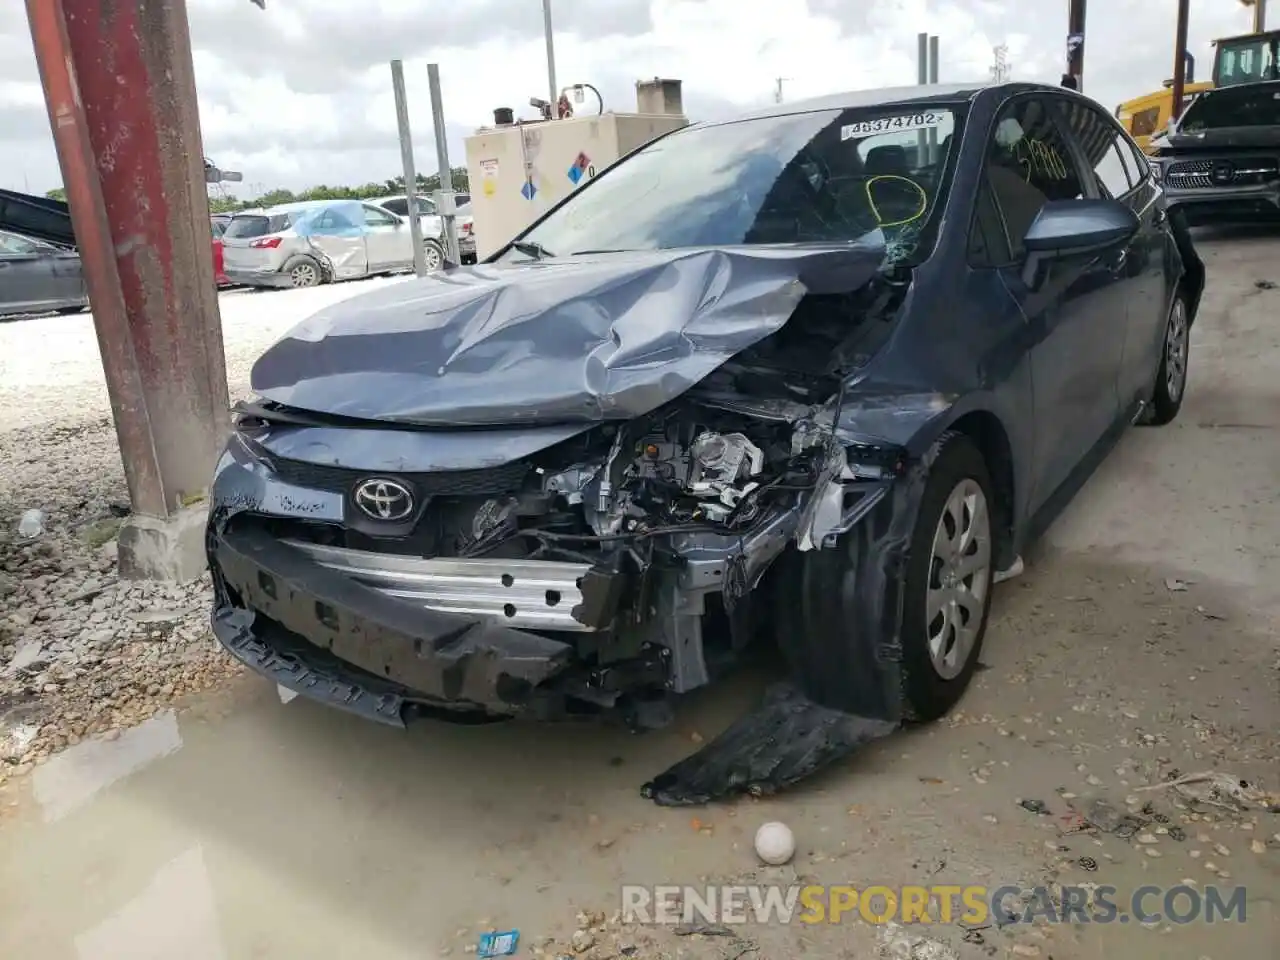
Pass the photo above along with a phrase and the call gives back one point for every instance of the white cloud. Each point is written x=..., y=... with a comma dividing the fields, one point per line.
x=301, y=93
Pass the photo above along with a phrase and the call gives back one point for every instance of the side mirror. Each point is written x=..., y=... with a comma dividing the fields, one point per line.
x=1068, y=227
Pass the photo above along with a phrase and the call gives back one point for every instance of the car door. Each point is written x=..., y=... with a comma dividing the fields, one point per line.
x=1073, y=306
x=388, y=240
x=1144, y=339
x=68, y=273
x=27, y=281
x=340, y=239
x=1121, y=176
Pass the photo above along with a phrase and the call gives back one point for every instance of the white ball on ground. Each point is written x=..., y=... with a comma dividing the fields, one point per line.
x=775, y=844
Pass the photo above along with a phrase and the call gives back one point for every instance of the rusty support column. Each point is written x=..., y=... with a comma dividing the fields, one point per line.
x=120, y=88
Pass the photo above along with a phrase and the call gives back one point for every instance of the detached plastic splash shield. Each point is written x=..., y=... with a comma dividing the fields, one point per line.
x=791, y=736
x=786, y=740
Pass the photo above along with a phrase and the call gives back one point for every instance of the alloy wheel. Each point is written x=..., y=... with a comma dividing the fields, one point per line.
x=1176, y=345
x=959, y=578
x=304, y=275
x=432, y=257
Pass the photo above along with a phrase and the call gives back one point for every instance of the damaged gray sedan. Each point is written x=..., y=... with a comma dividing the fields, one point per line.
x=815, y=376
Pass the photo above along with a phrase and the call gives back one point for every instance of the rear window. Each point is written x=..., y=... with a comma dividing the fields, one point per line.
x=257, y=225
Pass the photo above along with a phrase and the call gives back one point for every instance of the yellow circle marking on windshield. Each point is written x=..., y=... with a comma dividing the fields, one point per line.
x=875, y=211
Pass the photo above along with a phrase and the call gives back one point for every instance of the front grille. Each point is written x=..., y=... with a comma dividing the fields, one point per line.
x=1189, y=173
x=1199, y=174
x=507, y=478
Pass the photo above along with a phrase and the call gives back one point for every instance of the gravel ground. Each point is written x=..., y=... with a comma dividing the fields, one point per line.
x=82, y=653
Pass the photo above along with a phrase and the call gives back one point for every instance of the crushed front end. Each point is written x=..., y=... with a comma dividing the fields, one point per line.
x=601, y=573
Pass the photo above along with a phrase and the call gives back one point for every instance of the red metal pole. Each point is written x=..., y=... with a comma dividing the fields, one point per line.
x=120, y=89
x=97, y=254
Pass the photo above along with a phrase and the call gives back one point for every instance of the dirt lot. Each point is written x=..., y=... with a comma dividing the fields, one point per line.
x=187, y=810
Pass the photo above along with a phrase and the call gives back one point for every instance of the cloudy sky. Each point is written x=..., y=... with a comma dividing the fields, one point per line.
x=300, y=93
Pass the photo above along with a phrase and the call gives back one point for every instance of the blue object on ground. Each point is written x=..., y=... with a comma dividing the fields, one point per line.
x=498, y=944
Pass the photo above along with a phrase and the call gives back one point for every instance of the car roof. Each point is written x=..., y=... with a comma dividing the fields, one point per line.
x=887, y=97
x=289, y=207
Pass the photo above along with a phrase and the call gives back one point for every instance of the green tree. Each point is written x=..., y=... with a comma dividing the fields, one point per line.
x=426, y=184
x=57, y=193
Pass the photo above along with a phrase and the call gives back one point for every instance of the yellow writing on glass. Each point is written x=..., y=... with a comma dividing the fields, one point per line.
x=889, y=177
x=1037, y=157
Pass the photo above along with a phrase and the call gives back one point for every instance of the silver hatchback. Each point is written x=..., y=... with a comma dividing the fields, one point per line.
x=305, y=244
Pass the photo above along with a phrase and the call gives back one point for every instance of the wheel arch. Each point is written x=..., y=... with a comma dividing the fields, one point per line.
x=321, y=264
x=989, y=435
x=1190, y=271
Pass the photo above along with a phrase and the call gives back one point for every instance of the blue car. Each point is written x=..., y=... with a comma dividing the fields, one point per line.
x=816, y=375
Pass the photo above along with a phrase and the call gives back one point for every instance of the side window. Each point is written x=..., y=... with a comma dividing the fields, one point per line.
x=15, y=246
x=1028, y=165
x=1111, y=172
x=1100, y=141
x=399, y=206
x=373, y=217
x=1145, y=122
x=1138, y=161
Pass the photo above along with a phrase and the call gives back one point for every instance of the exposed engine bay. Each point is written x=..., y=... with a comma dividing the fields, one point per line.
x=679, y=470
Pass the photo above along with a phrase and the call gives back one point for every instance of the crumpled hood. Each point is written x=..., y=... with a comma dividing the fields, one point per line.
x=568, y=340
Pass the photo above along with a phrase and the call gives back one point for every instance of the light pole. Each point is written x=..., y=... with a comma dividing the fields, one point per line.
x=1074, y=77
x=1179, y=56
x=1259, y=13
x=552, y=90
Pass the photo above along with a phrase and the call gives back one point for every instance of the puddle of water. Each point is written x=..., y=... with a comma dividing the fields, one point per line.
x=261, y=826
x=175, y=915
x=72, y=778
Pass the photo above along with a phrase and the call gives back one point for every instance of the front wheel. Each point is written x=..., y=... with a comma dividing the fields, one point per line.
x=1171, y=376
x=432, y=255
x=842, y=608
x=947, y=594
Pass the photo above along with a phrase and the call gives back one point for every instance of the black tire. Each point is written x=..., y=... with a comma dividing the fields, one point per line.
x=1175, y=360
x=835, y=608
x=928, y=694
x=433, y=253
x=303, y=271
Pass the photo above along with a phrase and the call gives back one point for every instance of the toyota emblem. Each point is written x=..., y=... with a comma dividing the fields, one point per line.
x=384, y=499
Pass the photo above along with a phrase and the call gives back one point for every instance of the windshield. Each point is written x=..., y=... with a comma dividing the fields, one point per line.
x=825, y=177
x=255, y=225
x=1247, y=60
x=1250, y=106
